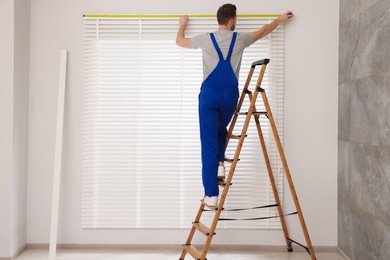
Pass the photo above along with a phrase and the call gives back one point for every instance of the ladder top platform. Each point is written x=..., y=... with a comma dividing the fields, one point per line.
x=260, y=62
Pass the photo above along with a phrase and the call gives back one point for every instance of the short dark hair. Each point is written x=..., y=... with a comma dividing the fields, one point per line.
x=225, y=13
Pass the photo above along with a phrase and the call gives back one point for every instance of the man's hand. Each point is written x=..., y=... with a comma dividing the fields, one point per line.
x=285, y=17
x=181, y=39
x=183, y=20
x=266, y=29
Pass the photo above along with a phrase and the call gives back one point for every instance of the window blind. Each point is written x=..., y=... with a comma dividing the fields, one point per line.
x=141, y=165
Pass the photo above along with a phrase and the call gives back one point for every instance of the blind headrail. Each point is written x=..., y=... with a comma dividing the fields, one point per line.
x=162, y=16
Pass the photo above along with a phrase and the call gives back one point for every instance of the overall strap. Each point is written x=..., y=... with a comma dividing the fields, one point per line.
x=231, y=46
x=216, y=46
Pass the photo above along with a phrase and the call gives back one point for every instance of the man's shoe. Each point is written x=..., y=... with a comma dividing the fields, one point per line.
x=210, y=201
x=221, y=172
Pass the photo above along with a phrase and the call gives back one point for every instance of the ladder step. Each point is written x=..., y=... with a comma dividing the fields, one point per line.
x=254, y=113
x=222, y=182
x=193, y=251
x=260, y=113
x=230, y=160
x=202, y=228
x=232, y=136
x=210, y=208
x=241, y=113
x=247, y=91
x=260, y=89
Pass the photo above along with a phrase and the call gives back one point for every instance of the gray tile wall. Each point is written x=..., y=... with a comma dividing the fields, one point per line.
x=364, y=129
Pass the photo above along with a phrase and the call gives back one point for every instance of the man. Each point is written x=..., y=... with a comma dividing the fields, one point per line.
x=222, y=52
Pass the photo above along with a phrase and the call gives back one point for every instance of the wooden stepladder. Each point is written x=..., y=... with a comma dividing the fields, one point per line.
x=210, y=232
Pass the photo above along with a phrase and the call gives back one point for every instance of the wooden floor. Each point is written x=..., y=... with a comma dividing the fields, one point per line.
x=169, y=254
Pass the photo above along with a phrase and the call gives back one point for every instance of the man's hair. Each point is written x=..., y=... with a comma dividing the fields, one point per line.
x=225, y=13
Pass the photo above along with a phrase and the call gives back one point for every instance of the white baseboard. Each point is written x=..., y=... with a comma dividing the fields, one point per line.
x=252, y=248
x=16, y=254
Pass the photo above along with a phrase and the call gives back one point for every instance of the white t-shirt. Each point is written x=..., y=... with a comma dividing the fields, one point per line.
x=223, y=38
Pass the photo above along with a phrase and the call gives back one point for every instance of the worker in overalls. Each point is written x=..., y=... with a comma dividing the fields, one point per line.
x=222, y=52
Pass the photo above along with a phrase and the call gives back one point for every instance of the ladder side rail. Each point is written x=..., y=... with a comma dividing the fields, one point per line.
x=288, y=175
x=272, y=180
x=239, y=104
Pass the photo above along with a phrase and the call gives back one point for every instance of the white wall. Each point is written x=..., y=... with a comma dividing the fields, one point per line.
x=6, y=113
x=20, y=123
x=310, y=127
x=14, y=67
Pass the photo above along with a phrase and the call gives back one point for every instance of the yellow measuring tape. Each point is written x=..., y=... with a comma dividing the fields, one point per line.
x=160, y=16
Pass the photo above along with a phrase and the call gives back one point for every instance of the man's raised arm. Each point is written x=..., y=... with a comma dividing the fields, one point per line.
x=266, y=29
x=181, y=39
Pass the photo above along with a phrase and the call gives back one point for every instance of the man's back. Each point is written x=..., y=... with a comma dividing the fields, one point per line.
x=223, y=37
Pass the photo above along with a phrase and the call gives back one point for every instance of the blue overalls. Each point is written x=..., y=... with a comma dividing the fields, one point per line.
x=217, y=103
